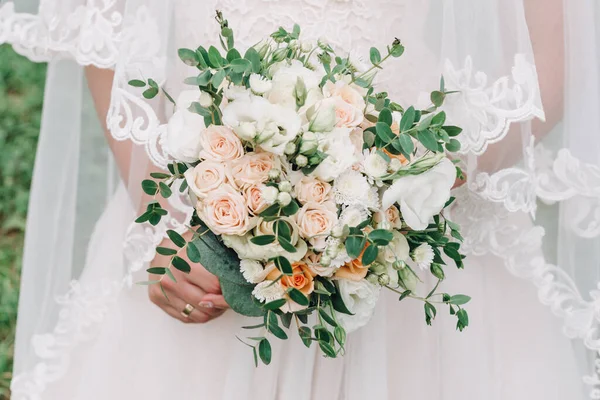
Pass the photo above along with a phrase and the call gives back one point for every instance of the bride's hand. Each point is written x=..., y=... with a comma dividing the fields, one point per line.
x=199, y=289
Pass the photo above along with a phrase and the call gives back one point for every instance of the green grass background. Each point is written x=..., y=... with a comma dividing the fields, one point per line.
x=21, y=96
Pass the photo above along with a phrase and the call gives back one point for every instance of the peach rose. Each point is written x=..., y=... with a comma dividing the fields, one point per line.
x=391, y=215
x=225, y=212
x=302, y=279
x=219, y=143
x=315, y=222
x=251, y=170
x=345, y=92
x=313, y=190
x=254, y=199
x=353, y=270
x=204, y=177
x=313, y=261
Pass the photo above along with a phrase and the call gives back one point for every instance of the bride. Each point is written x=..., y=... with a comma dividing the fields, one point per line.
x=86, y=331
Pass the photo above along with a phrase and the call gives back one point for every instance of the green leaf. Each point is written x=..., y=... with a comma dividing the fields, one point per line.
x=170, y=275
x=328, y=349
x=430, y=313
x=220, y=260
x=381, y=237
x=196, y=108
x=275, y=304
x=149, y=187
x=233, y=54
x=264, y=351
x=338, y=304
x=428, y=140
x=144, y=217
x=176, y=238
x=339, y=334
x=263, y=240
x=287, y=245
x=159, y=175
x=239, y=297
x=437, y=271
x=204, y=78
x=355, y=245
x=157, y=270
x=137, y=83
x=463, y=317
x=193, y=253
x=407, y=144
x=217, y=79
x=283, y=230
x=290, y=209
x=408, y=119
x=147, y=283
x=189, y=57
x=214, y=57
x=404, y=295
x=150, y=93
x=305, y=334
x=375, y=55
x=437, y=98
x=384, y=132
x=327, y=317
x=370, y=254
x=453, y=146
x=241, y=65
x=278, y=332
x=385, y=116
x=153, y=83
x=254, y=58
x=181, y=264
x=459, y=299
x=165, y=251
x=298, y=297
x=452, y=130
x=439, y=118
x=283, y=264
x=397, y=50
x=165, y=191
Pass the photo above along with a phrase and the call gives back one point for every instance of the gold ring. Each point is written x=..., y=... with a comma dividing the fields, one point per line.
x=187, y=311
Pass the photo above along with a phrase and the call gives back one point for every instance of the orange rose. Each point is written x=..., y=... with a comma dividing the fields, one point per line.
x=302, y=279
x=353, y=270
x=219, y=143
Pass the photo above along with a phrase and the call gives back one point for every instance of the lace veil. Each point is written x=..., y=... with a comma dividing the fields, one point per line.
x=535, y=207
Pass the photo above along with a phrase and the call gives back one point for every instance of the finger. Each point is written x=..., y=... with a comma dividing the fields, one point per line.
x=215, y=300
x=194, y=295
x=197, y=315
x=200, y=277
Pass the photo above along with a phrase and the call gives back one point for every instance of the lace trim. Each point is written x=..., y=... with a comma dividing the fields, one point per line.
x=86, y=305
x=91, y=33
x=488, y=229
x=486, y=111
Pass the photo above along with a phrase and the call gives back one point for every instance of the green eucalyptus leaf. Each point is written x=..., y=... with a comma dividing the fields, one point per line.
x=264, y=351
x=149, y=187
x=176, y=238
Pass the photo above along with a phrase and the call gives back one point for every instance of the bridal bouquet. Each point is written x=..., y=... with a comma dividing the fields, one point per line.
x=313, y=191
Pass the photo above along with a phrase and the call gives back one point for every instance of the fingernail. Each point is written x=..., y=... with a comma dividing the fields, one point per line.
x=206, y=304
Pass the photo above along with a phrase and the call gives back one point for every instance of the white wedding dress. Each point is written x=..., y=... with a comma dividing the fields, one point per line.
x=105, y=340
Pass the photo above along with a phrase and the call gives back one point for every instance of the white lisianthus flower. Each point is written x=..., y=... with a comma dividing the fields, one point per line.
x=246, y=249
x=360, y=297
x=423, y=256
x=185, y=128
x=253, y=271
x=268, y=291
x=276, y=126
x=285, y=78
x=352, y=188
x=422, y=196
x=269, y=194
x=374, y=165
x=353, y=216
x=246, y=131
x=340, y=154
x=234, y=92
x=259, y=84
x=322, y=118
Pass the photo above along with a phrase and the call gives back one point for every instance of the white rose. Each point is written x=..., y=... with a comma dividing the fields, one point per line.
x=285, y=77
x=422, y=196
x=340, y=151
x=345, y=114
x=276, y=126
x=398, y=249
x=185, y=128
x=360, y=297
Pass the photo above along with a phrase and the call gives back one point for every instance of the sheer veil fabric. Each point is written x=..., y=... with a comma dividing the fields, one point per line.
x=528, y=211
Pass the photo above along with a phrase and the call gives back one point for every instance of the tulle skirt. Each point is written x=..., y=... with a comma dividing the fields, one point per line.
x=512, y=350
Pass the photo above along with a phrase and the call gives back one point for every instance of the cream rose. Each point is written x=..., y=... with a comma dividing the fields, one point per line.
x=346, y=115
x=205, y=177
x=315, y=222
x=312, y=190
x=220, y=143
x=313, y=261
x=225, y=212
x=422, y=196
x=391, y=216
x=345, y=92
x=246, y=249
x=254, y=199
x=251, y=170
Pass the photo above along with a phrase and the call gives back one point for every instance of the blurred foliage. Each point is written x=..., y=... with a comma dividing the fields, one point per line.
x=21, y=95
